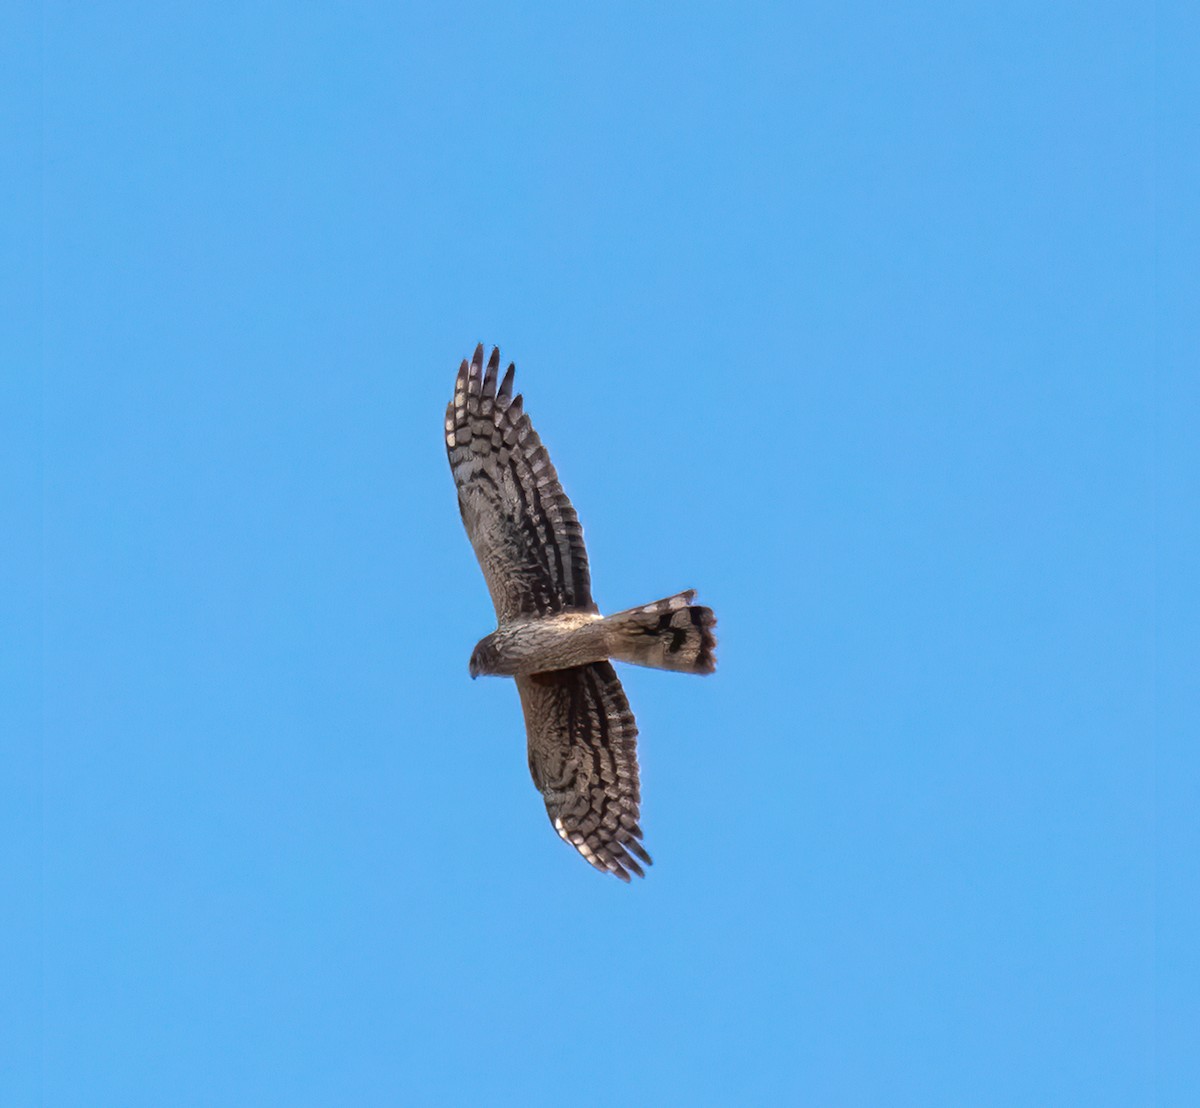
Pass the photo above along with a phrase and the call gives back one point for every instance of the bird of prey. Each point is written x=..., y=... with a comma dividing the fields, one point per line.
x=550, y=635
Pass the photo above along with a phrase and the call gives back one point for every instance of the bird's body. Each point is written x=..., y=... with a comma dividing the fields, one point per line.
x=525, y=646
x=550, y=634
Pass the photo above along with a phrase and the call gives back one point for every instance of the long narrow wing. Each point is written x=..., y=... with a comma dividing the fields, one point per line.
x=525, y=533
x=583, y=759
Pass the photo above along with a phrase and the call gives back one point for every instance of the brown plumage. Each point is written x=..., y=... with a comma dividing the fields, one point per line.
x=550, y=636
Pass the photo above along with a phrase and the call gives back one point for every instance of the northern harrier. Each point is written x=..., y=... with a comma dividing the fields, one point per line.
x=551, y=637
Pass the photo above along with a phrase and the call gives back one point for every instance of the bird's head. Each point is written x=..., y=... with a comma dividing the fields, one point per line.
x=483, y=657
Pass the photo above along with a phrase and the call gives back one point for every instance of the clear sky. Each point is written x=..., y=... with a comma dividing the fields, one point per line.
x=843, y=314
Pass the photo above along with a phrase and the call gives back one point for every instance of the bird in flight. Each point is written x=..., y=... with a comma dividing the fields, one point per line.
x=550, y=635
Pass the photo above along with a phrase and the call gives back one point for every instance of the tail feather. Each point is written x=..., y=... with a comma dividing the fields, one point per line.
x=672, y=633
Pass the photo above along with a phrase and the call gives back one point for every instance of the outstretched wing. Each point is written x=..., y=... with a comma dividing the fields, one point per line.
x=583, y=758
x=525, y=533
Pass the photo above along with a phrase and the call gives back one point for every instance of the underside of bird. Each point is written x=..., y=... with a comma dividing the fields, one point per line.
x=669, y=634
x=672, y=633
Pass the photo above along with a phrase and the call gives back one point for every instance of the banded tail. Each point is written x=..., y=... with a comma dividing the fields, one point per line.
x=669, y=634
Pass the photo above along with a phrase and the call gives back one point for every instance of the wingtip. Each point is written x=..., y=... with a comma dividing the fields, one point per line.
x=505, y=390
x=472, y=371
x=489, y=378
x=635, y=847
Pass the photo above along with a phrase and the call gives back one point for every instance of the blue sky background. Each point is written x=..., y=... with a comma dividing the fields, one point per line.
x=870, y=322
